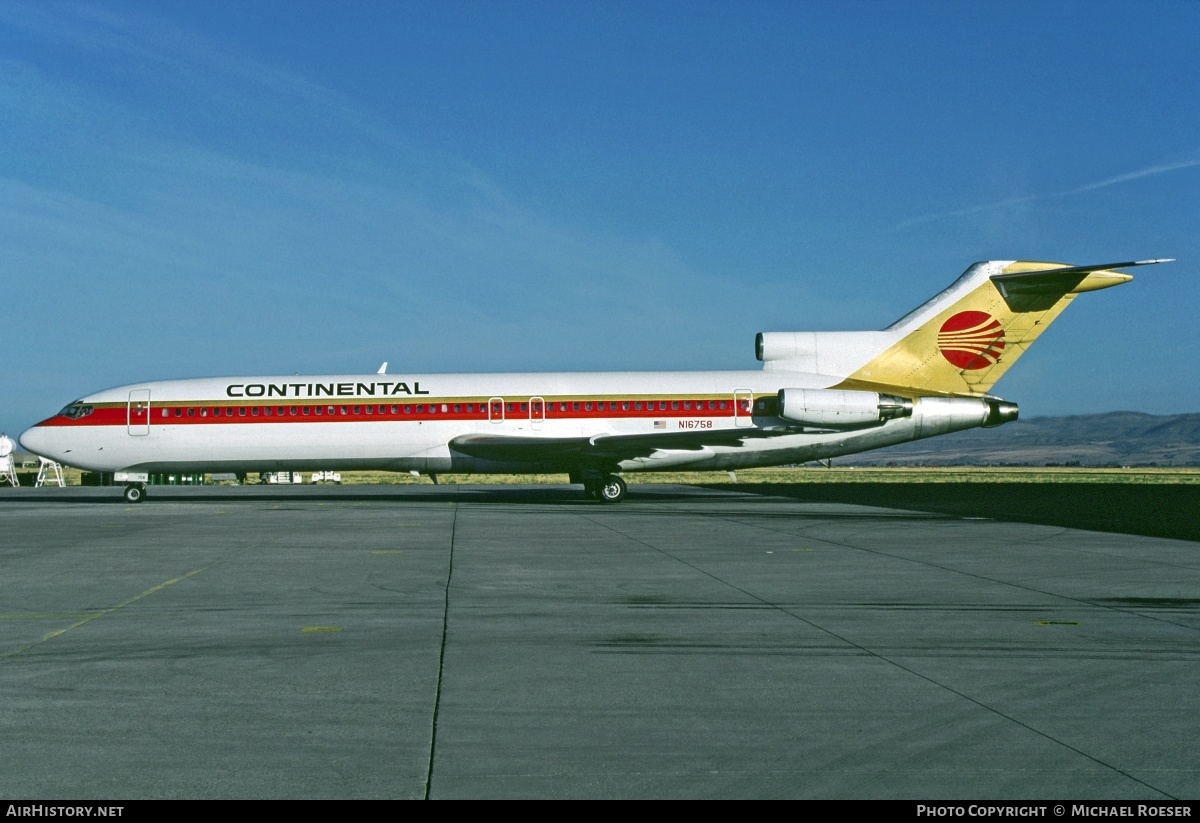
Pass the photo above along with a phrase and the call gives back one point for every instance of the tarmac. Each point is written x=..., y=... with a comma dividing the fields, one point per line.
x=524, y=642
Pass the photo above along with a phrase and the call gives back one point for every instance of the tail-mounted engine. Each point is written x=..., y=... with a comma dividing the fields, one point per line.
x=841, y=410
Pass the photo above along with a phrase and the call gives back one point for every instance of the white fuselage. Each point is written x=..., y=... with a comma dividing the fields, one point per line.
x=407, y=422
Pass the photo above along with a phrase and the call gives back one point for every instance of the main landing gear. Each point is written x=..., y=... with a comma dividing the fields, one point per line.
x=611, y=489
x=135, y=493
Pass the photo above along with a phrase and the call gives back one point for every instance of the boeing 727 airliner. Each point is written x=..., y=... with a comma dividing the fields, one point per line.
x=818, y=395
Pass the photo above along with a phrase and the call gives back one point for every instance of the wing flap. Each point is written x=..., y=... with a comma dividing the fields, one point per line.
x=605, y=448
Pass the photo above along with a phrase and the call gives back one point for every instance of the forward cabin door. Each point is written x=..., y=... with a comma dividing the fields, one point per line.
x=137, y=412
x=496, y=410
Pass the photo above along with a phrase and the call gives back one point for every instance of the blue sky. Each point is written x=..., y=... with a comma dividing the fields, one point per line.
x=207, y=188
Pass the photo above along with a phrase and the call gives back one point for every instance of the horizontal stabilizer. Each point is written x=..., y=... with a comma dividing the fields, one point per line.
x=1041, y=288
x=1028, y=275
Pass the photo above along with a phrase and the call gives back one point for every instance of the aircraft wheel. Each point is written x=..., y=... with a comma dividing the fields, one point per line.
x=613, y=490
x=135, y=493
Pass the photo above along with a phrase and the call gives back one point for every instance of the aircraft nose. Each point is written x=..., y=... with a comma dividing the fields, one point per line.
x=35, y=440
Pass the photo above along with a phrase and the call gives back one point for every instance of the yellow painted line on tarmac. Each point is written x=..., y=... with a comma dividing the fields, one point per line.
x=321, y=629
x=89, y=617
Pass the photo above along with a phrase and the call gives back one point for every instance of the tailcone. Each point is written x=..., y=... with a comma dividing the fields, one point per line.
x=999, y=413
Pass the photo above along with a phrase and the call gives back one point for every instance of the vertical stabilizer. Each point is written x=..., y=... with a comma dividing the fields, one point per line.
x=965, y=339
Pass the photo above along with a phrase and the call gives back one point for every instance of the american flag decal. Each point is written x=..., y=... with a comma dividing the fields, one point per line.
x=971, y=340
x=660, y=424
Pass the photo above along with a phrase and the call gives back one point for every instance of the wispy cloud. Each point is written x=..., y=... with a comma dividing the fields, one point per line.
x=1008, y=202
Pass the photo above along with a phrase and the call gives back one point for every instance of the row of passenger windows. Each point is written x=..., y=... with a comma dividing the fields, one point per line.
x=762, y=405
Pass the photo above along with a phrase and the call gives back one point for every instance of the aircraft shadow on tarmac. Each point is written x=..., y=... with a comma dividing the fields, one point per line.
x=199, y=495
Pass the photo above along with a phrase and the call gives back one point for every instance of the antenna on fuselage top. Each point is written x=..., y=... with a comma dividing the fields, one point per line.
x=383, y=368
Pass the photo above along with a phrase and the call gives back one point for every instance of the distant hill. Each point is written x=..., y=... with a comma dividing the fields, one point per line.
x=1111, y=439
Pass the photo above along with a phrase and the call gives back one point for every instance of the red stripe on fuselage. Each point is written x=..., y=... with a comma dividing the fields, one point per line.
x=176, y=414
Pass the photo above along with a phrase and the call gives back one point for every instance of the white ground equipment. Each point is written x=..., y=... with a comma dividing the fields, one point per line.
x=8, y=470
x=281, y=477
x=49, y=474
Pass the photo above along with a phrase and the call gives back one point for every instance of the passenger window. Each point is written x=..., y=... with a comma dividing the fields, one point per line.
x=407, y=409
x=204, y=412
x=241, y=411
x=457, y=408
x=575, y=407
x=587, y=406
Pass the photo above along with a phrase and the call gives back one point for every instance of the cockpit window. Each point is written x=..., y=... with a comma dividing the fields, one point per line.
x=77, y=410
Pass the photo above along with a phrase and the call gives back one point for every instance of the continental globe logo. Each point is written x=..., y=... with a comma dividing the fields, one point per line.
x=971, y=340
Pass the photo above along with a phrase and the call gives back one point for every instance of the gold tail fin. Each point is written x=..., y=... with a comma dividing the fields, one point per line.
x=964, y=340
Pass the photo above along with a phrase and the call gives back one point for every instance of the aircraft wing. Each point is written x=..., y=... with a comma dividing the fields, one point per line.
x=597, y=448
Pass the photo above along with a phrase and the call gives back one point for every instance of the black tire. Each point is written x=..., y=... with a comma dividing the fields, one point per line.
x=613, y=490
x=135, y=493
